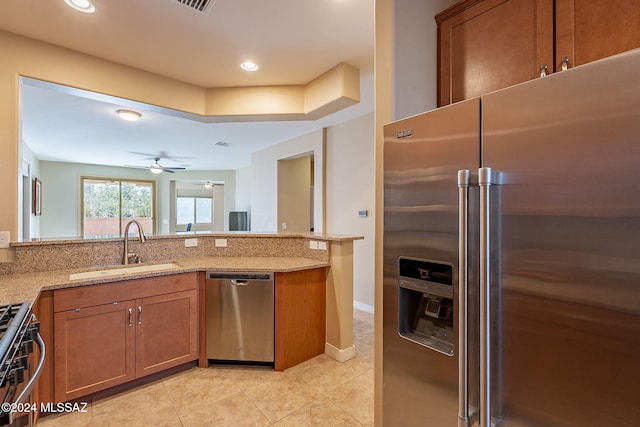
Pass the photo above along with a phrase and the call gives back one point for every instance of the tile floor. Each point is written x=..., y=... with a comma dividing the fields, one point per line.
x=318, y=392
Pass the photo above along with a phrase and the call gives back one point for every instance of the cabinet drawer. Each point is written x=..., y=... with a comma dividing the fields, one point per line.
x=93, y=295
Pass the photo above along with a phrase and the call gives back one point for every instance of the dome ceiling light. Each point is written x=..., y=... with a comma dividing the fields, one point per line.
x=249, y=66
x=81, y=5
x=129, y=115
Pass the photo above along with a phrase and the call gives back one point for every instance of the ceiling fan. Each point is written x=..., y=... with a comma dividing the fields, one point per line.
x=156, y=167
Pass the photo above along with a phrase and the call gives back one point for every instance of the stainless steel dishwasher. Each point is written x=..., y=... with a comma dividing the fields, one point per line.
x=240, y=317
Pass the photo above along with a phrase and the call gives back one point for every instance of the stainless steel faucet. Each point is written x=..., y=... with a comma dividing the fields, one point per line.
x=126, y=256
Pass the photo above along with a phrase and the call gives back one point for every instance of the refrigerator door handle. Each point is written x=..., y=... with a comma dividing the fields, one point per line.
x=485, y=181
x=464, y=416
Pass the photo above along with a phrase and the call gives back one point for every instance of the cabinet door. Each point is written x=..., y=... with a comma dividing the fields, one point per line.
x=300, y=316
x=167, y=331
x=489, y=45
x=588, y=30
x=94, y=349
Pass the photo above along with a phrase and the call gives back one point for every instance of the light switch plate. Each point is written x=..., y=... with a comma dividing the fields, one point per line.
x=313, y=244
x=322, y=246
x=221, y=243
x=4, y=239
x=190, y=243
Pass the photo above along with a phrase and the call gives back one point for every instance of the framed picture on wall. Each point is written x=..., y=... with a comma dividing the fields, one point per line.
x=37, y=196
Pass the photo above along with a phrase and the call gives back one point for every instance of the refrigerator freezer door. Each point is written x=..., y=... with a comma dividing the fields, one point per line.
x=566, y=283
x=422, y=156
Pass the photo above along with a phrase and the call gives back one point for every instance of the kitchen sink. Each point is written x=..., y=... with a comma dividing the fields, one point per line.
x=123, y=271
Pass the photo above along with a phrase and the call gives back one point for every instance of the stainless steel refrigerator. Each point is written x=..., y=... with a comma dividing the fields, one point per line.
x=511, y=292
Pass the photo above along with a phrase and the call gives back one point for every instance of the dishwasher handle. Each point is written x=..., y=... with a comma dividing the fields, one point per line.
x=239, y=282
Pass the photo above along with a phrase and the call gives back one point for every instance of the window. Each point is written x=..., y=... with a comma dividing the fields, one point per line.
x=194, y=210
x=109, y=204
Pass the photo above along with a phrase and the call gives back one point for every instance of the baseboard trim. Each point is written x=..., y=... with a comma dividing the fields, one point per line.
x=340, y=355
x=363, y=307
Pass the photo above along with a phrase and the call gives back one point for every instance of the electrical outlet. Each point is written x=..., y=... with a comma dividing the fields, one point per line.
x=284, y=225
x=313, y=244
x=322, y=246
x=190, y=243
x=221, y=243
x=4, y=239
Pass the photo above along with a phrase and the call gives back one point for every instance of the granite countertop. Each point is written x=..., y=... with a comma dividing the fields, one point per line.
x=16, y=288
x=187, y=234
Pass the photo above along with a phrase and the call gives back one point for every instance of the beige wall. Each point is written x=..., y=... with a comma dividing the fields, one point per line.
x=264, y=179
x=31, y=58
x=350, y=184
x=383, y=114
x=26, y=57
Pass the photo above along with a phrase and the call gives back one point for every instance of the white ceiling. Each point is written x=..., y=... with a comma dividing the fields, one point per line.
x=293, y=41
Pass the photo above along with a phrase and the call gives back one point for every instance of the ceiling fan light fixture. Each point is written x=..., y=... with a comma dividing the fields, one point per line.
x=84, y=6
x=156, y=168
x=128, y=115
x=249, y=66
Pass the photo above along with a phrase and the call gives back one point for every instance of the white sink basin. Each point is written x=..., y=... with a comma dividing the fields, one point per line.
x=123, y=271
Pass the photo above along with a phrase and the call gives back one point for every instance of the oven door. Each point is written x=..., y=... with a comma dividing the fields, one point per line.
x=20, y=373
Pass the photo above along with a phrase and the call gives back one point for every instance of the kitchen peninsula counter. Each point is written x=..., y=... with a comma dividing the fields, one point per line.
x=23, y=287
x=37, y=267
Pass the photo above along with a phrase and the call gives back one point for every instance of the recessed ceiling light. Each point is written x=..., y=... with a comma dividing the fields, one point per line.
x=81, y=5
x=128, y=115
x=249, y=66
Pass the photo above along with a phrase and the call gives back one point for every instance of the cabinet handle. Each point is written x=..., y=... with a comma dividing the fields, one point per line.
x=131, y=317
x=565, y=63
x=543, y=70
x=139, y=315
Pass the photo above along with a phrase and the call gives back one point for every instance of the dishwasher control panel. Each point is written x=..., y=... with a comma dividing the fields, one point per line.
x=212, y=275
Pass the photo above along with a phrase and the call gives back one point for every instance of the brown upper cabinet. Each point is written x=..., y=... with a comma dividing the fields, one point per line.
x=486, y=45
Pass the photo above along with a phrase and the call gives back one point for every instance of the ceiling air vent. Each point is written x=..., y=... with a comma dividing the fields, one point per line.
x=202, y=6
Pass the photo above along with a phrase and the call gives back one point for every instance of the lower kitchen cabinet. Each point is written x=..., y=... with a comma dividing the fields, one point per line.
x=166, y=332
x=106, y=335
x=300, y=302
x=94, y=349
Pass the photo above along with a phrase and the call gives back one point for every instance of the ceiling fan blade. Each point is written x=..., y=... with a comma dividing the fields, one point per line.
x=161, y=155
x=165, y=155
x=149, y=155
x=175, y=169
x=167, y=170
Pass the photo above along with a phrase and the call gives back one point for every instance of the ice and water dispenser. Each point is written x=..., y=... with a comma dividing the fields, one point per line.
x=425, y=300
